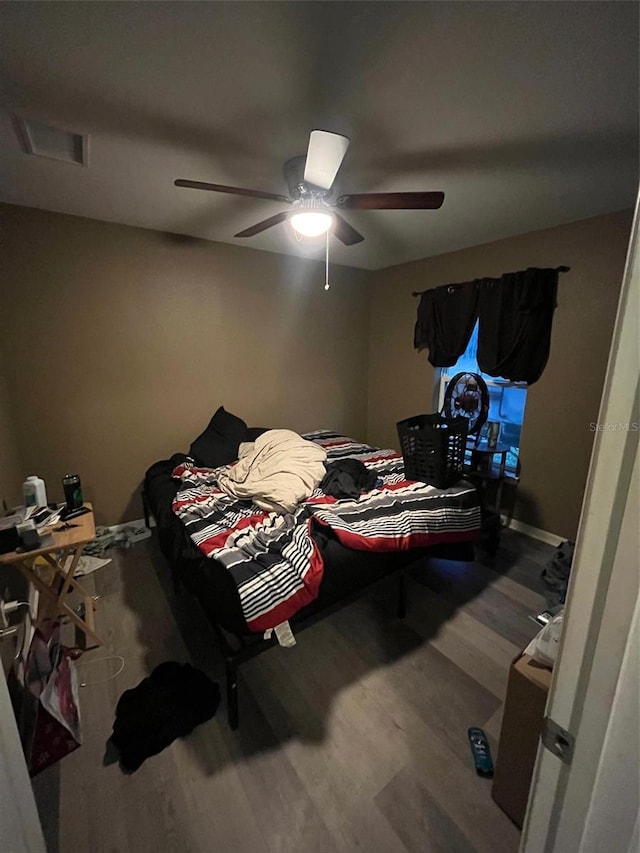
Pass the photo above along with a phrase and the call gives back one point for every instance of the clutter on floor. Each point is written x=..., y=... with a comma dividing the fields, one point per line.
x=86, y=565
x=44, y=695
x=481, y=752
x=167, y=705
x=108, y=537
x=556, y=576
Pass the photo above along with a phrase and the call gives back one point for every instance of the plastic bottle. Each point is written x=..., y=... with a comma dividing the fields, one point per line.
x=34, y=492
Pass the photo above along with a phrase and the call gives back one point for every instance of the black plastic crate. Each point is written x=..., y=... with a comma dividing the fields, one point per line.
x=433, y=448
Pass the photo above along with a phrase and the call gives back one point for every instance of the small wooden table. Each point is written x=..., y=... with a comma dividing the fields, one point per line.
x=60, y=581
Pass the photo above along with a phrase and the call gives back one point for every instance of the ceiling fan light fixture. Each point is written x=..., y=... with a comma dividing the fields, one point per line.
x=311, y=217
x=311, y=223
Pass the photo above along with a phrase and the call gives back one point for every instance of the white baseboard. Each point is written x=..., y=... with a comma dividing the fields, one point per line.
x=137, y=524
x=534, y=532
x=137, y=527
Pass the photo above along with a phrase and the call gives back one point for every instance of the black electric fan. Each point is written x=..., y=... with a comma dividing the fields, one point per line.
x=467, y=396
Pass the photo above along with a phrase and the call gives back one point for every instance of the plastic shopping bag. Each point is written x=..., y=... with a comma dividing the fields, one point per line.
x=544, y=646
x=49, y=716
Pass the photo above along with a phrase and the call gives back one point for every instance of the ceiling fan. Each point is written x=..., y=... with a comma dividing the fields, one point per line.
x=310, y=179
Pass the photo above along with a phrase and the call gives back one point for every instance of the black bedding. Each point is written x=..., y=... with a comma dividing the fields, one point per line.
x=346, y=571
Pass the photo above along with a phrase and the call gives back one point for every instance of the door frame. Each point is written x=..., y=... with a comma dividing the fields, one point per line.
x=20, y=828
x=602, y=599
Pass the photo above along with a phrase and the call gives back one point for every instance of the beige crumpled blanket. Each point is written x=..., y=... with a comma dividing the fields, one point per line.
x=277, y=471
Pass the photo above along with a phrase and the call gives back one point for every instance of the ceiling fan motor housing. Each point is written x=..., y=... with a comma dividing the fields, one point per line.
x=312, y=203
x=294, y=176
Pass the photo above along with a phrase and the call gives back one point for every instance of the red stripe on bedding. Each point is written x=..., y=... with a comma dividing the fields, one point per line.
x=406, y=543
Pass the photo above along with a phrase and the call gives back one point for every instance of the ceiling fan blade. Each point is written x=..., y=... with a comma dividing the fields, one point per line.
x=392, y=201
x=345, y=232
x=262, y=226
x=325, y=154
x=220, y=188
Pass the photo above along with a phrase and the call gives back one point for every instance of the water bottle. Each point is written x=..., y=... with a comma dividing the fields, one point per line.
x=34, y=492
x=493, y=432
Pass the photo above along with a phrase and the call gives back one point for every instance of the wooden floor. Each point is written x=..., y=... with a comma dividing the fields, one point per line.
x=355, y=740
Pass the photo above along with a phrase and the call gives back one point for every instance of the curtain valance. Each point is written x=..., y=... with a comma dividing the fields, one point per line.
x=515, y=314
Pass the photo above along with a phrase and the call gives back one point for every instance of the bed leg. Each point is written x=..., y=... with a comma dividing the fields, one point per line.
x=232, y=694
x=402, y=596
x=175, y=577
x=145, y=510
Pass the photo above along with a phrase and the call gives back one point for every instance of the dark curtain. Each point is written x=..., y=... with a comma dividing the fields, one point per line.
x=515, y=314
x=446, y=317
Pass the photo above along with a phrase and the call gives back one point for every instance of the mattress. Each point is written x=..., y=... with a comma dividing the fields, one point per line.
x=346, y=571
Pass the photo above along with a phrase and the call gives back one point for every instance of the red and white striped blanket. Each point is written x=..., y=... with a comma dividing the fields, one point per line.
x=274, y=560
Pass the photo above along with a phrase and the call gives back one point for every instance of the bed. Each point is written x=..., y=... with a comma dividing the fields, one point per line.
x=447, y=528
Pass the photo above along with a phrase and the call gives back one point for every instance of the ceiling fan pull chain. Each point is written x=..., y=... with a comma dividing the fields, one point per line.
x=326, y=263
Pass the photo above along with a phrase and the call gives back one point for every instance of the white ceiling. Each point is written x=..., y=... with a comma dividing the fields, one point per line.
x=524, y=113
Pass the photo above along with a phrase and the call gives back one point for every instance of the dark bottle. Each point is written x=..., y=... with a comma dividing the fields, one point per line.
x=72, y=491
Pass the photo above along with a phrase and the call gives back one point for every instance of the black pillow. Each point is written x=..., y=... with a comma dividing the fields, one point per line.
x=218, y=444
x=255, y=432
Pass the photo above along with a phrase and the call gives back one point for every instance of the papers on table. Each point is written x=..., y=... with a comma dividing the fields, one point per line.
x=44, y=517
x=16, y=516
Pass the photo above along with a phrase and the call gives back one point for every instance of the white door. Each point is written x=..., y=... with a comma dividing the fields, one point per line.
x=590, y=803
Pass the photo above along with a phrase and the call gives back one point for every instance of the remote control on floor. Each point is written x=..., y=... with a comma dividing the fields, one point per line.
x=481, y=752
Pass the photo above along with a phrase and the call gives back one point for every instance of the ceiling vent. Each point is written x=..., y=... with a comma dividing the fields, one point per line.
x=52, y=142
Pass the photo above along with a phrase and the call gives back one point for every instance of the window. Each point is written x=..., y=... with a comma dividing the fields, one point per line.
x=507, y=400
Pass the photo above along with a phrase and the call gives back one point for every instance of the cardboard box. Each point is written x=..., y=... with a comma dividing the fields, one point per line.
x=527, y=692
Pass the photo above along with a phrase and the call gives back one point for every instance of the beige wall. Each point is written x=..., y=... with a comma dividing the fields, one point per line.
x=10, y=463
x=124, y=341
x=556, y=437
x=118, y=343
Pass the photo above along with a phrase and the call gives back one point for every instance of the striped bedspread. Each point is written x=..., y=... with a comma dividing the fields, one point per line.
x=274, y=560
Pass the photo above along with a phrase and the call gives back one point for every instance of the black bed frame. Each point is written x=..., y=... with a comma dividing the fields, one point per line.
x=252, y=645
x=233, y=657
